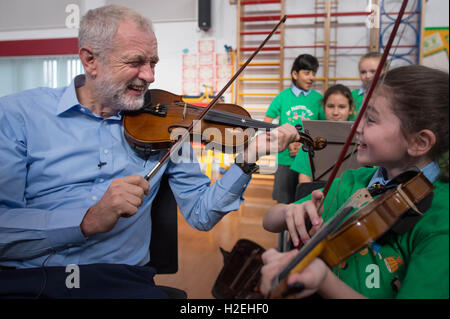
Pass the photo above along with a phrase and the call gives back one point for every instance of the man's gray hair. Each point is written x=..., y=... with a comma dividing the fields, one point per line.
x=98, y=27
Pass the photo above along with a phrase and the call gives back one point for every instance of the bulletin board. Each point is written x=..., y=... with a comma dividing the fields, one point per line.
x=435, y=48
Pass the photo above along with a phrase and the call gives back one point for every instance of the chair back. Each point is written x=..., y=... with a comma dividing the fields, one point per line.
x=164, y=241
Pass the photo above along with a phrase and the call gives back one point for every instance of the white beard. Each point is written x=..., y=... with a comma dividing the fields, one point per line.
x=114, y=95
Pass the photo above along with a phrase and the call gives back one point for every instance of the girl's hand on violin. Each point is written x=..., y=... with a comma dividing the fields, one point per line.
x=274, y=261
x=122, y=199
x=296, y=216
x=312, y=277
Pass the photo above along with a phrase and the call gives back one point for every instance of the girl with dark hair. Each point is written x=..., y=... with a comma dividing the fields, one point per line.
x=405, y=126
x=338, y=103
x=337, y=106
x=293, y=105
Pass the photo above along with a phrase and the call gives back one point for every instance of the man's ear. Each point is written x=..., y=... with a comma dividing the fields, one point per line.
x=421, y=143
x=89, y=60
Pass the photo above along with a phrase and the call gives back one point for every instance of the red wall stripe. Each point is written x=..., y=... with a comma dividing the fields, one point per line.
x=39, y=47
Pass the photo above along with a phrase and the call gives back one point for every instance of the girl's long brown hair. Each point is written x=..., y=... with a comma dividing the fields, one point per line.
x=421, y=101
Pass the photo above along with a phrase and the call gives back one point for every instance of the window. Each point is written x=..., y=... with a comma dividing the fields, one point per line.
x=22, y=73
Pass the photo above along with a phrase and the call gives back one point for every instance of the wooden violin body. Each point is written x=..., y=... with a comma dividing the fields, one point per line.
x=165, y=117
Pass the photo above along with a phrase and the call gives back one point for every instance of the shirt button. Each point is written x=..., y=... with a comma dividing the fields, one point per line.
x=105, y=151
x=101, y=180
x=94, y=197
x=82, y=109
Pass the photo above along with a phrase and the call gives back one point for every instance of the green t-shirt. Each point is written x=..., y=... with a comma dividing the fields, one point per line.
x=301, y=163
x=358, y=98
x=293, y=109
x=414, y=265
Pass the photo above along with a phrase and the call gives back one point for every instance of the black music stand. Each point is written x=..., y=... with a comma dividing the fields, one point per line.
x=323, y=161
x=336, y=133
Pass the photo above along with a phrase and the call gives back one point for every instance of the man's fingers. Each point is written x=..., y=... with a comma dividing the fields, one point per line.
x=138, y=181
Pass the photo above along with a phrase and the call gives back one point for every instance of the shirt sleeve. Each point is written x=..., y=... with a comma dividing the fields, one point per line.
x=27, y=232
x=201, y=203
x=428, y=268
x=274, y=109
x=302, y=164
x=321, y=114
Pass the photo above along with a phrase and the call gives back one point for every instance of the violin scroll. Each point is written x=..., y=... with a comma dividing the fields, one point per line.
x=319, y=143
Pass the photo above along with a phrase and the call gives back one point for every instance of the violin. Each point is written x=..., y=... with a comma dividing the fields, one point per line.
x=165, y=116
x=361, y=220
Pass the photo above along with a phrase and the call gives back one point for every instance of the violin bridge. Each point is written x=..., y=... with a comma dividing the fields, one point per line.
x=184, y=110
x=358, y=199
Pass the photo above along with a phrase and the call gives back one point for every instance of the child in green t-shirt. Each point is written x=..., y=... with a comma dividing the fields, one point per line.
x=367, y=68
x=405, y=126
x=292, y=105
x=337, y=105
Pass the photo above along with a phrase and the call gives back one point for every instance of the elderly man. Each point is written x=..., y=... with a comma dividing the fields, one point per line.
x=72, y=190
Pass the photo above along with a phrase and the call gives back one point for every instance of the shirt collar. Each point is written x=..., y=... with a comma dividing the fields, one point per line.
x=298, y=91
x=431, y=172
x=361, y=91
x=69, y=98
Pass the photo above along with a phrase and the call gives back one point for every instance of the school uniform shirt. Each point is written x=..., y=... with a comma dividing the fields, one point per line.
x=302, y=164
x=294, y=105
x=58, y=159
x=358, y=98
x=413, y=265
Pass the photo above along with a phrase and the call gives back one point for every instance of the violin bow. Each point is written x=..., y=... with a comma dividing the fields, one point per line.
x=176, y=146
x=282, y=276
x=366, y=99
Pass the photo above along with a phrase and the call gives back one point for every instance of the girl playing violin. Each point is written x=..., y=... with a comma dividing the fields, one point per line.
x=405, y=125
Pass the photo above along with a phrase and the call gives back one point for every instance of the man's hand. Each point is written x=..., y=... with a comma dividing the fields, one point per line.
x=275, y=141
x=122, y=199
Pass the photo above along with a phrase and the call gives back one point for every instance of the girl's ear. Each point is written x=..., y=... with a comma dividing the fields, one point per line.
x=421, y=143
x=294, y=75
x=89, y=60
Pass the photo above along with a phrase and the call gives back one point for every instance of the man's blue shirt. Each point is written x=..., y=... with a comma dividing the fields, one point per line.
x=50, y=150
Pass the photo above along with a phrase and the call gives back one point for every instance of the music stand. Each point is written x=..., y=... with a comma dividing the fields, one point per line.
x=336, y=133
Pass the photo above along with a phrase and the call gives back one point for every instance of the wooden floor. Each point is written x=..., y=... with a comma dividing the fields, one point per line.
x=199, y=257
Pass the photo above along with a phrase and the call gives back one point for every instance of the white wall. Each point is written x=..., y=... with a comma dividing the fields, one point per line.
x=174, y=37
x=436, y=13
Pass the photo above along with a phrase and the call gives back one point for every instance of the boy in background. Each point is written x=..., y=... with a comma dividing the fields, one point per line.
x=293, y=105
